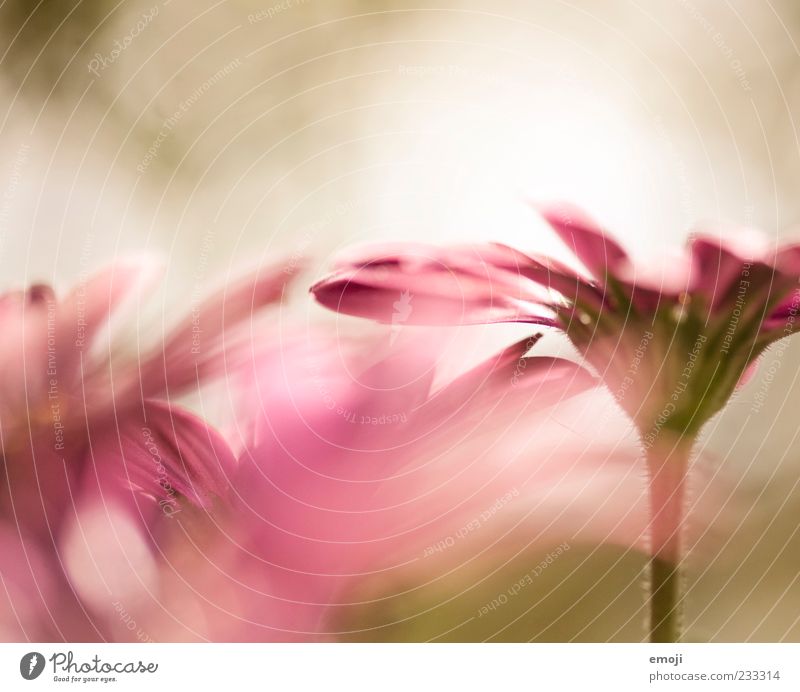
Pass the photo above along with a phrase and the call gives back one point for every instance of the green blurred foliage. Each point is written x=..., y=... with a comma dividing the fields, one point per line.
x=588, y=594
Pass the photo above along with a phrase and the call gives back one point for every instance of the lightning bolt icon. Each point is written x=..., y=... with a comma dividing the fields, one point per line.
x=32, y=664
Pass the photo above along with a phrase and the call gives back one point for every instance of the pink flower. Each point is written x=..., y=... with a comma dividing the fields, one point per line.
x=90, y=452
x=352, y=470
x=671, y=345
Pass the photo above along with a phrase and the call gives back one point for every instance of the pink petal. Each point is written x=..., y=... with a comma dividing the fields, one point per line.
x=340, y=489
x=359, y=296
x=44, y=340
x=661, y=281
x=25, y=317
x=788, y=259
x=314, y=491
x=745, y=262
x=37, y=482
x=509, y=381
x=28, y=588
x=597, y=251
x=89, y=305
x=107, y=556
x=547, y=272
x=157, y=458
x=140, y=477
x=201, y=346
x=428, y=285
x=717, y=268
x=36, y=602
x=786, y=316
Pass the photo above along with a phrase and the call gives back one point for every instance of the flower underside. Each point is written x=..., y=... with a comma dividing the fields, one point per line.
x=673, y=368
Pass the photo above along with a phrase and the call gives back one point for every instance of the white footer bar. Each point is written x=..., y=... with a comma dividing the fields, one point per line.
x=388, y=667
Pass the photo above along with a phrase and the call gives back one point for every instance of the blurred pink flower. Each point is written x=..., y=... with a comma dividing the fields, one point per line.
x=350, y=472
x=86, y=443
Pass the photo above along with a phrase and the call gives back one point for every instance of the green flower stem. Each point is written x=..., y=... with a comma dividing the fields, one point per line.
x=667, y=465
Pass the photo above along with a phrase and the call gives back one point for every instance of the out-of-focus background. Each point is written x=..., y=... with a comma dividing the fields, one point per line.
x=222, y=135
